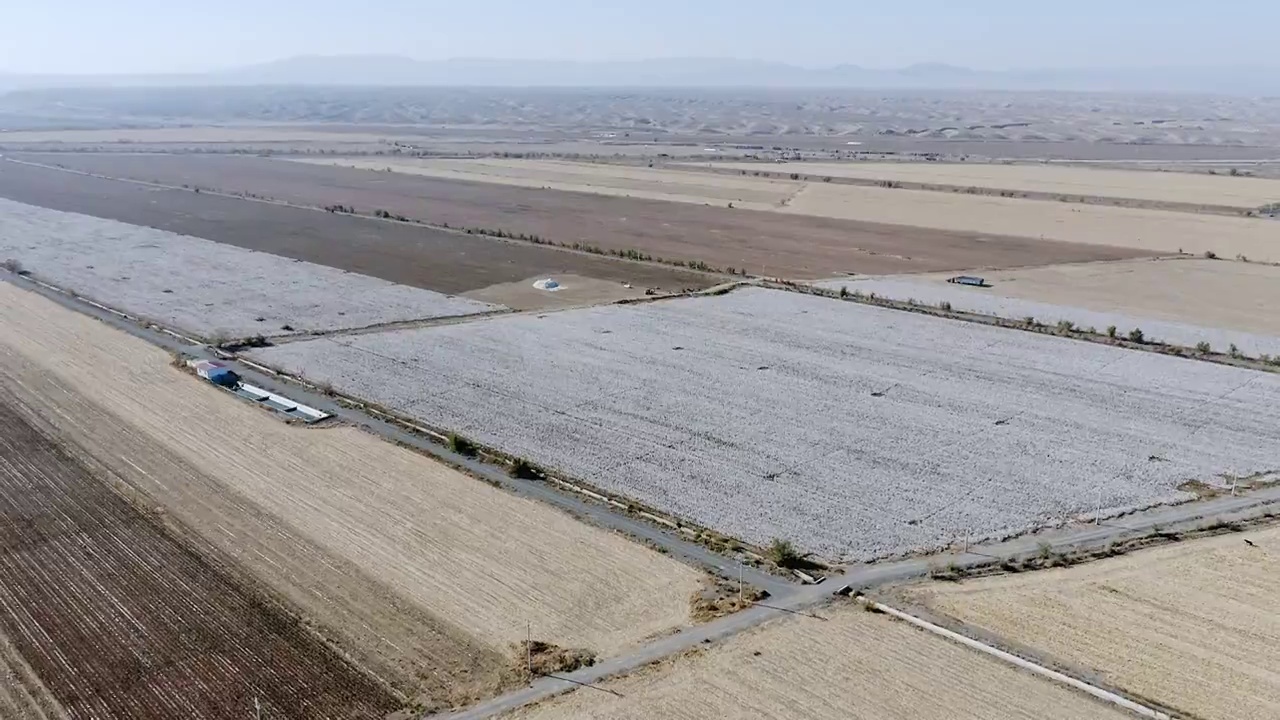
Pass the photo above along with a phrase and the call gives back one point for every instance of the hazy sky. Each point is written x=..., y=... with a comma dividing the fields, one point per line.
x=100, y=36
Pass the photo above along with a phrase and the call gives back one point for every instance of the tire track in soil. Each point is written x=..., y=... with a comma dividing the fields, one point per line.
x=118, y=619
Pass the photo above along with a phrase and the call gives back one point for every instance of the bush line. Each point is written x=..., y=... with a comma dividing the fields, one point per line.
x=1134, y=339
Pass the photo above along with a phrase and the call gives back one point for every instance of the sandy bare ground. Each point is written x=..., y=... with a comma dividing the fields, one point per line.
x=22, y=695
x=1198, y=188
x=191, y=135
x=1212, y=293
x=470, y=560
x=574, y=290
x=1160, y=231
x=600, y=179
x=1195, y=625
x=851, y=664
x=1155, y=230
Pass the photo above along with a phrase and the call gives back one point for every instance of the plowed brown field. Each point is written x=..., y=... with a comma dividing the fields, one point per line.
x=423, y=257
x=422, y=575
x=118, y=619
x=766, y=243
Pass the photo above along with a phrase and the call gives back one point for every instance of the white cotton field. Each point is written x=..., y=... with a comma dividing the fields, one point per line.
x=989, y=301
x=854, y=431
x=202, y=286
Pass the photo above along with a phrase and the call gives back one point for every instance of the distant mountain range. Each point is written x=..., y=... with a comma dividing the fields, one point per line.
x=392, y=70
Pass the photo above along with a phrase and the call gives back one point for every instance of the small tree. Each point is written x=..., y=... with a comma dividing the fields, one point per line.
x=783, y=554
x=12, y=265
x=1111, y=331
x=1135, y=335
x=844, y=291
x=1204, y=347
x=461, y=445
x=1234, y=351
x=523, y=470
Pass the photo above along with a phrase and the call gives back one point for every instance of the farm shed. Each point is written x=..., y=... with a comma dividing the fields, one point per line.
x=215, y=372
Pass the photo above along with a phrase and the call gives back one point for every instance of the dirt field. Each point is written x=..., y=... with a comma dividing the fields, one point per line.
x=1212, y=293
x=420, y=573
x=421, y=257
x=119, y=619
x=616, y=180
x=1158, y=231
x=1189, y=188
x=761, y=242
x=130, y=136
x=574, y=291
x=848, y=664
x=22, y=695
x=1195, y=626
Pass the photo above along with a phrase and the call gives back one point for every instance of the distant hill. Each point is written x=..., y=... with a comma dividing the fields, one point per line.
x=392, y=70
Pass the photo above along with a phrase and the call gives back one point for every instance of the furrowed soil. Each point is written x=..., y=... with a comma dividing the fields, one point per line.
x=22, y=695
x=422, y=257
x=117, y=618
x=421, y=575
x=1194, y=626
x=846, y=664
x=764, y=243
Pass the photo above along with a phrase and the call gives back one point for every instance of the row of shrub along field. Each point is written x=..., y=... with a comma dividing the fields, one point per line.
x=990, y=301
x=423, y=569
x=1208, y=293
x=205, y=287
x=1160, y=231
x=853, y=430
x=401, y=253
x=118, y=619
x=1195, y=626
x=847, y=663
x=762, y=243
x=1176, y=187
x=596, y=178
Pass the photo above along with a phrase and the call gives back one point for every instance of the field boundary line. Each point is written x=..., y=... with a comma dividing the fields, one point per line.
x=475, y=232
x=809, y=177
x=1010, y=658
x=943, y=310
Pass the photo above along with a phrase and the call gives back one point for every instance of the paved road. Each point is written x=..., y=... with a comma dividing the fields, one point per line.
x=787, y=598
x=804, y=598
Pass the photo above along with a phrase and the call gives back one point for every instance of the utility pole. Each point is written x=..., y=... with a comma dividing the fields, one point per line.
x=1097, y=518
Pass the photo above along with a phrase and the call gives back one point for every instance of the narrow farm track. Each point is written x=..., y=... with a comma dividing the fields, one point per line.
x=118, y=619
